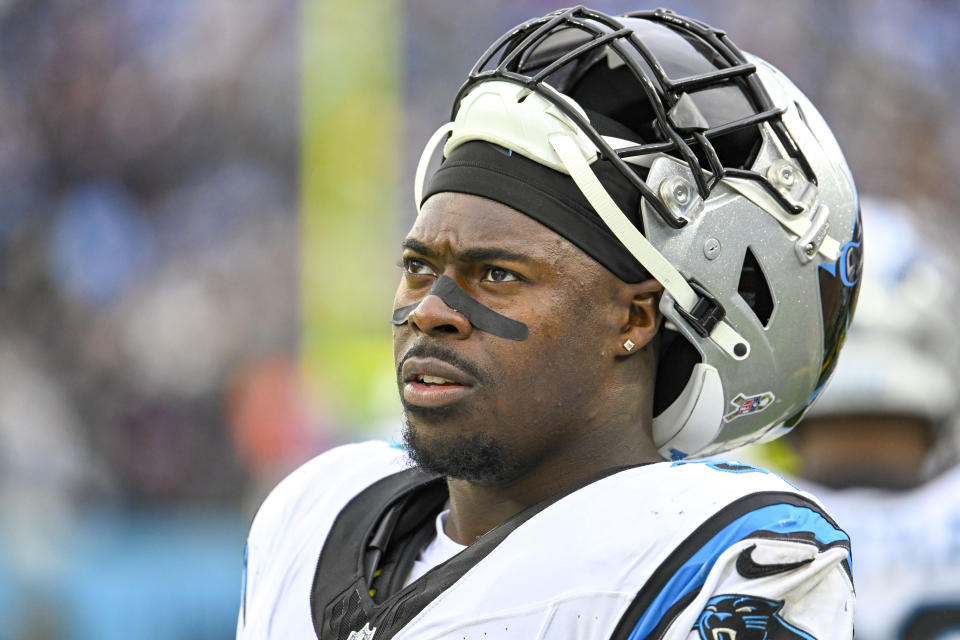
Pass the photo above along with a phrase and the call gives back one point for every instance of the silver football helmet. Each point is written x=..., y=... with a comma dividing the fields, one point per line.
x=749, y=215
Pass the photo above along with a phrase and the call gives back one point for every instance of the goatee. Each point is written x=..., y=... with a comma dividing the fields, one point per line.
x=476, y=458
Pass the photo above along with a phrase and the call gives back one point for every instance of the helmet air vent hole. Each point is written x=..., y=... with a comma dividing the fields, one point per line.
x=754, y=290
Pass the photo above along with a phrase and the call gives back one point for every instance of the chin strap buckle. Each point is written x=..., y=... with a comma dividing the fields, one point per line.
x=705, y=314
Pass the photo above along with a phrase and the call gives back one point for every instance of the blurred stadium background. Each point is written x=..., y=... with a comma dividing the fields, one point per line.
x=200, y=204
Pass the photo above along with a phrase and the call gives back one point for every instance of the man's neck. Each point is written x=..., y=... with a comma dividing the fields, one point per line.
x=476, y=509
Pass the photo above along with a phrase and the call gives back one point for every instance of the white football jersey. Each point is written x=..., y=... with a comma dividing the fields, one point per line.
x=906, y=557
x=684, y=550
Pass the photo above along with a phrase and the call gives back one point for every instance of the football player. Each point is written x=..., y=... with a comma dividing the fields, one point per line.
x=642, y=245
x=879, y=447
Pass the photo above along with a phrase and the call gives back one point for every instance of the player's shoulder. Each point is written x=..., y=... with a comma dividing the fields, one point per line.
x=751, y=499
x=706, y=482
x=712, y=476
x=355, y=459
x=728, y=491
x=342, y=465
x=335, y=475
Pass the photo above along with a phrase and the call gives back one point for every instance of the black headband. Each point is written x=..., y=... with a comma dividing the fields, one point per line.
x=549, y=197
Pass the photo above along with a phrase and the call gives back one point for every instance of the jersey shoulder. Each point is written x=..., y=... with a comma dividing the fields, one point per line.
x=757, y=551
x=717, y=478
x=728, y=491
x=333, y=476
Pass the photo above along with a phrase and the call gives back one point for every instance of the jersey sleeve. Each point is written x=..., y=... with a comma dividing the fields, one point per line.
x=771, y=565
x=785, y=588
x=295, y=516
x=270, y=520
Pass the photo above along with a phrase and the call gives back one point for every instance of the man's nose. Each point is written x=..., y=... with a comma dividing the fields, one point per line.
x=434, y=317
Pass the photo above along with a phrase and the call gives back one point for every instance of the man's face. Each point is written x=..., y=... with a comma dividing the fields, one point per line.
x=481, y=407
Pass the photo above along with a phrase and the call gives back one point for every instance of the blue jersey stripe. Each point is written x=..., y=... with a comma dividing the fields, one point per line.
x=776, y=518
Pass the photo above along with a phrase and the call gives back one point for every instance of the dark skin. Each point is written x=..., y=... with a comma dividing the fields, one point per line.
x=863, y=450
x=563, y=405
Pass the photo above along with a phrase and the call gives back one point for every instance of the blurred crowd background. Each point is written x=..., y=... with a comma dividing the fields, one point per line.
x=200, y=204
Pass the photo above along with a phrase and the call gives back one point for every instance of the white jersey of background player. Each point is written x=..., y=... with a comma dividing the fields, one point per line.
x=659, y=262
x=878, y=446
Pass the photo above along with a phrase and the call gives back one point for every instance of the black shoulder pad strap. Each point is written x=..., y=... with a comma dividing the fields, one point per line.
x=339, y=597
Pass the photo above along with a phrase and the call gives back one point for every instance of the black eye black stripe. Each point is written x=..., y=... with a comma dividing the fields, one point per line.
x=480, y=316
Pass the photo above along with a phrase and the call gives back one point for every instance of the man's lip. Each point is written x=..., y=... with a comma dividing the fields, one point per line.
x=414, y=367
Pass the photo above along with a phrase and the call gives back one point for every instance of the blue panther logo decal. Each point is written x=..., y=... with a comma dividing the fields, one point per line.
x=736, y=617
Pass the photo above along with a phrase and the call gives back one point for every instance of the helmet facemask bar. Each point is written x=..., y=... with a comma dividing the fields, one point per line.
x=519, y=45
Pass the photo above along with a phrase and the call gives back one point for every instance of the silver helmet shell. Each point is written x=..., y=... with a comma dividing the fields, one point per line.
x=749, y=215
x=795, y=339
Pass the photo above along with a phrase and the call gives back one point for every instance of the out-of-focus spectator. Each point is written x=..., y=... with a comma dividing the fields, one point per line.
x=148, y=260
x=148, y=238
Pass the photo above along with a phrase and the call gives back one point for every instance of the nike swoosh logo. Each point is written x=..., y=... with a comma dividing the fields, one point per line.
x=748, y=568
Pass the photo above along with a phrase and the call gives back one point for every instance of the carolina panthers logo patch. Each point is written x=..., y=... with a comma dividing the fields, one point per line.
x=737, y=617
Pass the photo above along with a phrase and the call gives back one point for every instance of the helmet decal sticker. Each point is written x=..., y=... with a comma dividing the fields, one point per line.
x=747, y=404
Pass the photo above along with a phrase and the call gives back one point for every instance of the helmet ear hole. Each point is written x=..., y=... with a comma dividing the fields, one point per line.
x=754, y=289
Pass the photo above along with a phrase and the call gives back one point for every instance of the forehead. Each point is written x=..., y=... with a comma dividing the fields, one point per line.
x=456, y=221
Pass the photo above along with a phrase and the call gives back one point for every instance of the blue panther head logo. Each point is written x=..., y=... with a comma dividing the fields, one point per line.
x=736, y=617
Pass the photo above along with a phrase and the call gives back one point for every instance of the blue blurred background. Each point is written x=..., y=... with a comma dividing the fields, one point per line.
x=199, y=209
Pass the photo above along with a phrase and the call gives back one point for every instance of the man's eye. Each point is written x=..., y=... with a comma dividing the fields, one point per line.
x=496, y=274
x=417, y=267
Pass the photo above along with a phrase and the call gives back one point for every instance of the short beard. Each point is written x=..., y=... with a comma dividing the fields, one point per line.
x=476, y=458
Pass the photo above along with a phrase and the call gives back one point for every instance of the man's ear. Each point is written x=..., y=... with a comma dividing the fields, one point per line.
x=642, y=317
